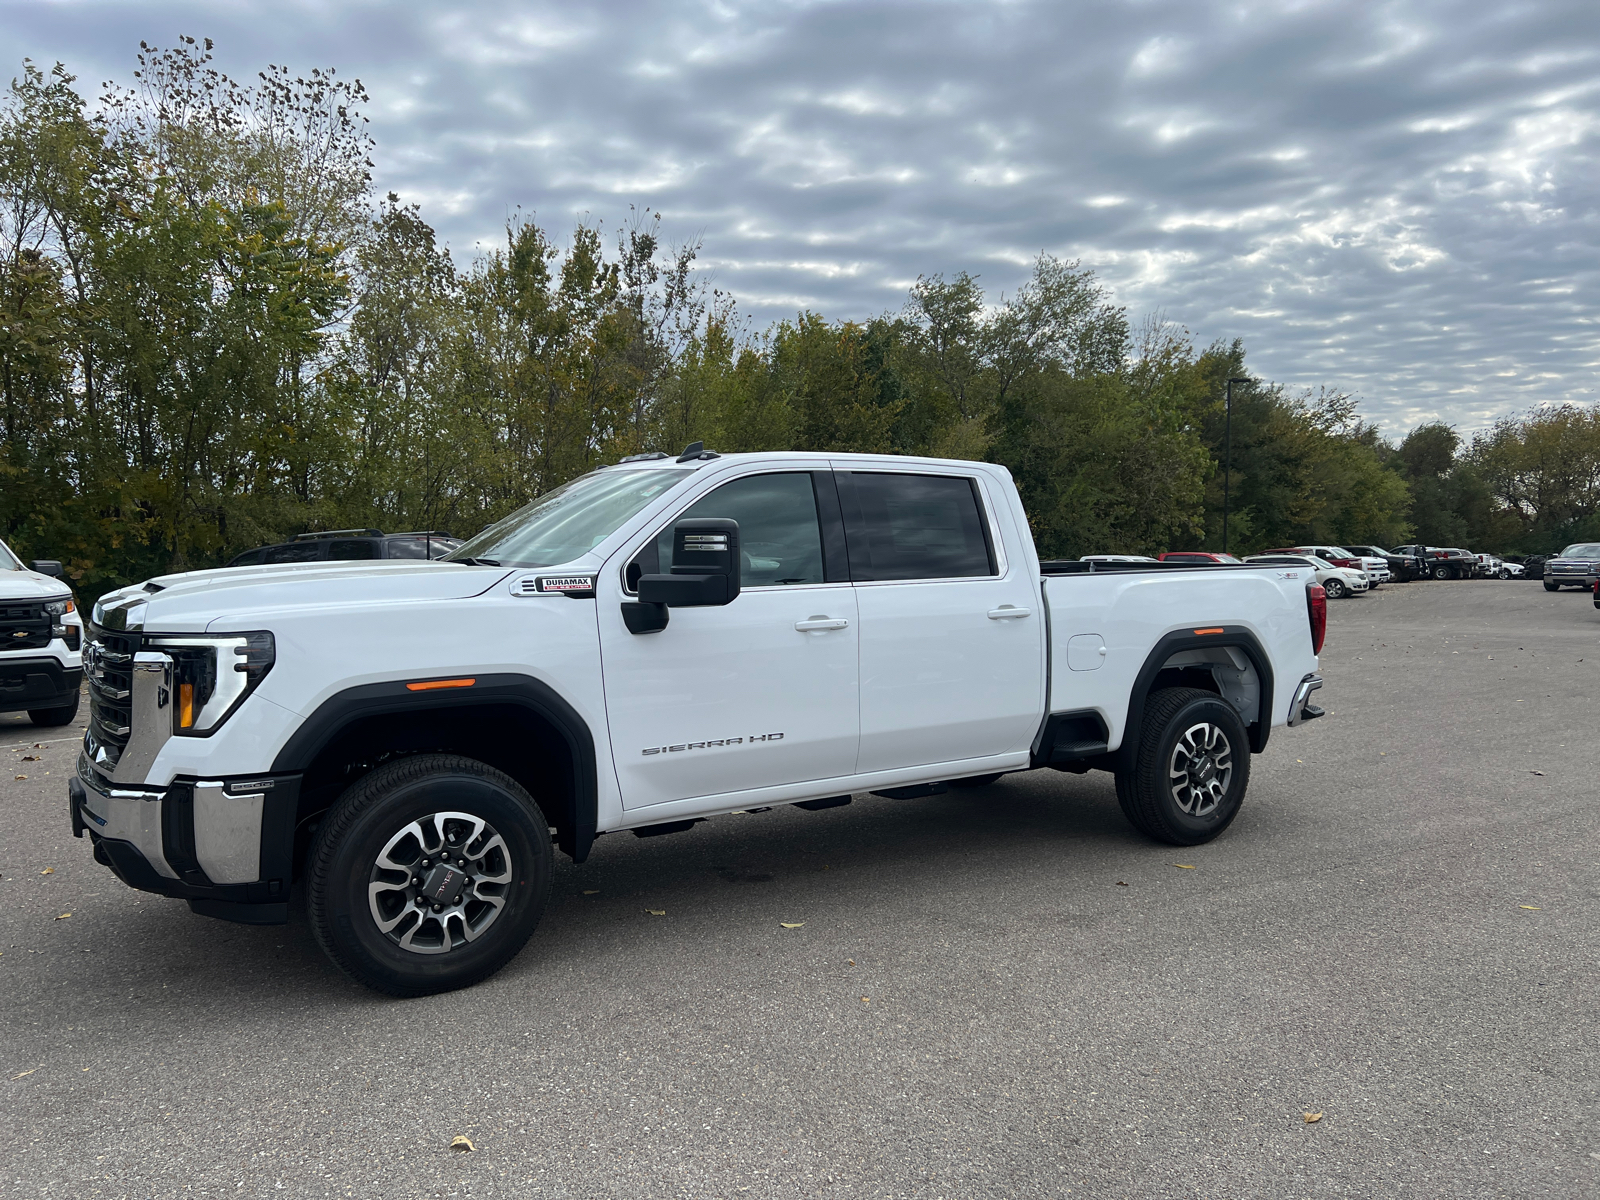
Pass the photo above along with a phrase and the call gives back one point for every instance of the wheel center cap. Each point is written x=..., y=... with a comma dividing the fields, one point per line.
x=1204, y=769
x=443, y=884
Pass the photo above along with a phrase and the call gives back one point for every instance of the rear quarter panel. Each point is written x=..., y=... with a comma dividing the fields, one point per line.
x=1132, y=612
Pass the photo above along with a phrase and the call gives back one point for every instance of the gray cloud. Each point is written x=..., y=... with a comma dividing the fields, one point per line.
x=1396, y=199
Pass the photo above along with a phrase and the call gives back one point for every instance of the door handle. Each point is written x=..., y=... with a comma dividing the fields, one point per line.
x=1009, y=612
x=818, y=624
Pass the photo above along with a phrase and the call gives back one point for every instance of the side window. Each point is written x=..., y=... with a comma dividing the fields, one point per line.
x=346, y=549
x=405, y=548
x=248, y=559
x=780, y=536
x=292, y=553
x=914, y=527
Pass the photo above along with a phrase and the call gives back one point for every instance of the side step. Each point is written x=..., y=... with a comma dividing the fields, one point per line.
x=827, y=802
x=665, y=827
x=914, y=792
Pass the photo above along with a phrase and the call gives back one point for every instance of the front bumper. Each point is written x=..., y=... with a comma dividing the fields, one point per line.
x=41, y=682
x=226, y=846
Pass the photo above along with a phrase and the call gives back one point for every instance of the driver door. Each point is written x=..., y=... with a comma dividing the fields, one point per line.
x=752, y=694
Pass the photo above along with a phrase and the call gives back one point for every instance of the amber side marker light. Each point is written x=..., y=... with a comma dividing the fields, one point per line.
x=430, y=685
x=1217, y=630
x=186, y=706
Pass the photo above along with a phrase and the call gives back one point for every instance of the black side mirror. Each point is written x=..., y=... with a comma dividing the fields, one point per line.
x=705, y=574
x=47, y=566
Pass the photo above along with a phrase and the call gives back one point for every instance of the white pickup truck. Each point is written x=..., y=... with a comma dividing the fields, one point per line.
x=655, y=643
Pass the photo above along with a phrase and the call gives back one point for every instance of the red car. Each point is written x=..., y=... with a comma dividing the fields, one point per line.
x=1197, y=556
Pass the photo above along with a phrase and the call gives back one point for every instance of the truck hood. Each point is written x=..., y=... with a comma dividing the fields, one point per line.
x=195, y=600
x=30, y=585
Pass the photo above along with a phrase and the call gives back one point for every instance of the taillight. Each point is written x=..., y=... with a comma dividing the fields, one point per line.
x=1317, y=610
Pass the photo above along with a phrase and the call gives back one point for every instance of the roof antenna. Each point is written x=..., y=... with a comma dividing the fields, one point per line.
x=696, y=450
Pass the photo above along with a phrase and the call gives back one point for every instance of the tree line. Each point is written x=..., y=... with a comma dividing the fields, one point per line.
x=213, y=336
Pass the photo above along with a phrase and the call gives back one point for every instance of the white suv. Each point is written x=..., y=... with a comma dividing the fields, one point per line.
x=1336, y=581
x=41, y=642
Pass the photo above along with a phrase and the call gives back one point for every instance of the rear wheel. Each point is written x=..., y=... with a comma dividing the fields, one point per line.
x=1190, y=768
x=1335, y=588
x=428, y=875
x=1441, y=572
x=55, y=716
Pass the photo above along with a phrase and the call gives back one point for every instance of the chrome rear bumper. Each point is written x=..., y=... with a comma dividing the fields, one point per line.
x=1300, y=708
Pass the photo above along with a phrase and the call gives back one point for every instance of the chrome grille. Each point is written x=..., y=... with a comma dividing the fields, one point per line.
x=24, y=626
x=108, y=666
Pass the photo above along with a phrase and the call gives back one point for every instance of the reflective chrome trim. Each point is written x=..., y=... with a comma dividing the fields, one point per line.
x=1302, y=695
x=127, y=816
x=227, y=833
x=150, y=718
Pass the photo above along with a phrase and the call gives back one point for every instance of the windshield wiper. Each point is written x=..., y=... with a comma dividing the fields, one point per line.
x=478, y=562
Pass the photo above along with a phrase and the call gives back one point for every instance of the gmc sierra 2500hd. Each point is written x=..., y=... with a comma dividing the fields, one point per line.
x=657, y=642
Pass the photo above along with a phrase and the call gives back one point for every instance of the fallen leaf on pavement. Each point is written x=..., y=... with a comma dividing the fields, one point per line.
x=591, y=891
x=1184, y=866
x=48, y=871
x=1538, y=772
x=1531, y=907
x=656, y=912
x=1121, y=884
x=21, y=776
x=1312, y=1118
x=794, y=925
x=849, y=962
x=866, y=1000
x=461, y=1142
x=63, y=916
x=30, y=758
x=24, y=1073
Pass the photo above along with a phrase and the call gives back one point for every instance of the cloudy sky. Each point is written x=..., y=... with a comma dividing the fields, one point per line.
x=1398, y=199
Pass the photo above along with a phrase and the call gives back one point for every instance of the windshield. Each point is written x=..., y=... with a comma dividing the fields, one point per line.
x=569, y=522
x=1582, y=550
x=8, y=560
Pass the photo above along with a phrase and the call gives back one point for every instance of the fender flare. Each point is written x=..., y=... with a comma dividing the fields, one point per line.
x=1180, y=640
x=342, y=709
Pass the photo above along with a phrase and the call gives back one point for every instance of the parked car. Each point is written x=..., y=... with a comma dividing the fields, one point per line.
x=1402, y=567
x=41, y=641
x=1375, y=569
x=1336, y=581
x=1506, y=569
x=1198, y=556
x=1441, y=562
x=1578, y=564
x=350, y=545
x=652, y=644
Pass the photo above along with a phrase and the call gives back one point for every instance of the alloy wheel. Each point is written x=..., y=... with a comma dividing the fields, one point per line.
x=1200, y=769
x=440, y=882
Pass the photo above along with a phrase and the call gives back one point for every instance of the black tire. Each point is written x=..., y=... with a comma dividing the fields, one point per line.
x=1335, y=588
x=1551, y=586
x=63, y=715
x=1441, y=572
x=974, y=781
x=375, y=814
x=1145, y=791
x=1504, y=574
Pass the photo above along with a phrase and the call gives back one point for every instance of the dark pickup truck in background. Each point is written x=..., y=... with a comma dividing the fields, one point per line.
x=1402, y=567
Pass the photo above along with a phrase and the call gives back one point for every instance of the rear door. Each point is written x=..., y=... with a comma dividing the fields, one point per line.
x=952, y=644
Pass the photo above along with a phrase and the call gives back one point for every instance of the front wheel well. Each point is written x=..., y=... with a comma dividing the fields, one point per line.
x=523, y=743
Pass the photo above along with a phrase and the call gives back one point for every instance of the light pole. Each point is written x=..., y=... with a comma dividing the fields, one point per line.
x=1227, y=459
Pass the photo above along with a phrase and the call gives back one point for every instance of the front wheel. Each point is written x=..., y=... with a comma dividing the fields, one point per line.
x=1551, y=586
x=1505, y=574
x=428, y=875
x=1334, y=587
x=1190, y=769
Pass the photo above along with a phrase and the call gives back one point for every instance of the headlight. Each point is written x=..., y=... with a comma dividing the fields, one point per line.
x=212, y=674
x=60, y=608
x=56, y=610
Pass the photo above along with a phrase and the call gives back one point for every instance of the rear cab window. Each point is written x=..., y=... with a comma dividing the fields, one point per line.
x=901, y=526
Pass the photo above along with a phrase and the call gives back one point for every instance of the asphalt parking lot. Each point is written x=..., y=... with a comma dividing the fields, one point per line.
x=1004, y=993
